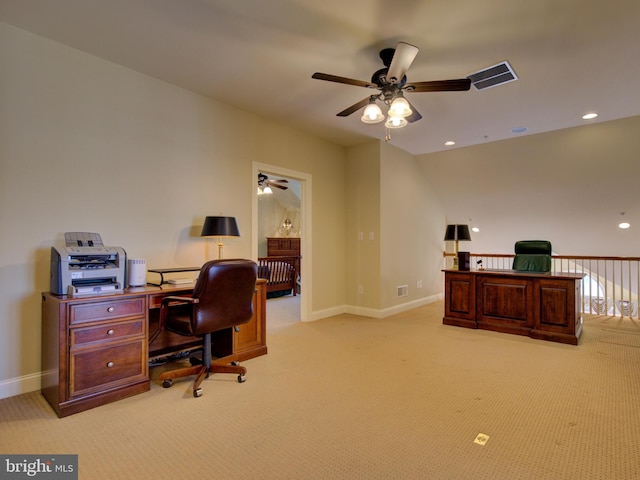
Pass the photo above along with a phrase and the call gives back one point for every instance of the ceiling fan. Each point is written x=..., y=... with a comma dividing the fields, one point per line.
x=391, y=82
x=264, y=184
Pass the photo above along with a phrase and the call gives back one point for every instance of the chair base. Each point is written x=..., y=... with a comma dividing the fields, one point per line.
x=202, y=372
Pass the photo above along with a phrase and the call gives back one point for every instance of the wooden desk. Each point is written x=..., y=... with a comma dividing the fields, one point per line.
x=95, y=349
x=541, y=305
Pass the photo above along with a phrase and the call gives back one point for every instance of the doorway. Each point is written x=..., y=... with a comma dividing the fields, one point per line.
x=298, y=226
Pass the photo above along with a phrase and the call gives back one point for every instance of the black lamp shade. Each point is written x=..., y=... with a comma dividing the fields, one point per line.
x=457, y=232
x=220, y=227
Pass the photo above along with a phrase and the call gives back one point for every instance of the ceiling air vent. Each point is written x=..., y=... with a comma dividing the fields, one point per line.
x=493, y=76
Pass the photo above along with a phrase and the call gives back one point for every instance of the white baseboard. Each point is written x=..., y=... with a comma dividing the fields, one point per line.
x=373, y=312
x=20, y=385
x=329, y=312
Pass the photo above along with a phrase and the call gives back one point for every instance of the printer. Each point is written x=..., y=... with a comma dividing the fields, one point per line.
x=84, y=266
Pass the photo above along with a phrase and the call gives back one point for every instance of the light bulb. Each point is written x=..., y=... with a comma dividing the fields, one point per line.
x=395, y=122
x=372, y=114
x=400, y=107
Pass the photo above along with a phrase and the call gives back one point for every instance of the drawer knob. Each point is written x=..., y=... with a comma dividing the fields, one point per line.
x=111, y=331
x=110, y=364
x=110, y=309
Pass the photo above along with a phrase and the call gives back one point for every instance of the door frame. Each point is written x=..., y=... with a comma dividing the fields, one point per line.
x=305, y=223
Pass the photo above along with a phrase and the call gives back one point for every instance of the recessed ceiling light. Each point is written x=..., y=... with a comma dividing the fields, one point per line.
x=623, y=224
x=475, y=229
x=519, y=130
x=589, y=116
x=449, y=143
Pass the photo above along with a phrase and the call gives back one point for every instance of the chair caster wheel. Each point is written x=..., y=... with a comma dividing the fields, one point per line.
x=197, y=392
x=167, y=383
x=242, y=379
x=235, y=364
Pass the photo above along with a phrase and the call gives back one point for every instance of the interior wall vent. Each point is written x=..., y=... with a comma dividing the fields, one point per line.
x=403, y=290
x=493, y=76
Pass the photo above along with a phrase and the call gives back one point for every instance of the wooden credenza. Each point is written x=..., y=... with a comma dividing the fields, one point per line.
x=283, y=246
x=541, y=305
x=95, y=349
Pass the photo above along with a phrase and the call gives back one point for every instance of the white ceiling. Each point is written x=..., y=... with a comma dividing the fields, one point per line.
x=571, y=57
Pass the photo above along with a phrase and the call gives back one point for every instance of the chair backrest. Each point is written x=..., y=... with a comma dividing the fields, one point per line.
x=224, y=290
x=532, y=256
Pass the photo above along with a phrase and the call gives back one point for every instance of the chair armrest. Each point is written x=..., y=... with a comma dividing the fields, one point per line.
x=175, y=299
x=168, y=302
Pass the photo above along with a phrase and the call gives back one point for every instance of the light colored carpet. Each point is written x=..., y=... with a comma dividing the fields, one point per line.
x=282, y=312
x=355, y=397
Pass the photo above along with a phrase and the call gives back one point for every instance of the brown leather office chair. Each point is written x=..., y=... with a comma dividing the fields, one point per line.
x=222, y=299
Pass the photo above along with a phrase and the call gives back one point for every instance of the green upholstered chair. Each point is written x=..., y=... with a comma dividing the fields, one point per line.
x=532, y=256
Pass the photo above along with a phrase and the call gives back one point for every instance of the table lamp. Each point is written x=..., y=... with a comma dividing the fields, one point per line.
x=457, y=233
x=220, y=227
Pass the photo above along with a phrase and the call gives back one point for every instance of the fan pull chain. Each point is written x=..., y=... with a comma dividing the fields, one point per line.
x=387, y=137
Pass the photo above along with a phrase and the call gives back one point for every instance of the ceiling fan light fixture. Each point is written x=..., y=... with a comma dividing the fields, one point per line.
x=372, y=113
x=395, y=122
x=400, y=107
x=267, y=190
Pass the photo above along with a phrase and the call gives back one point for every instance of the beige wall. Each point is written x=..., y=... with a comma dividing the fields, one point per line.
x=363, y=220
x=413, y=225
x=87, y=145
x=567, y=186
x=394, y=232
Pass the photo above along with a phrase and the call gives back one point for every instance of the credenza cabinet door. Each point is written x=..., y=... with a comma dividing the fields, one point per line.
x=250, y=340
x=460, y=300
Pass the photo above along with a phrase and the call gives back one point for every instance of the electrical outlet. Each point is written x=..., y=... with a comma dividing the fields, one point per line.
x=360, y=236
x=360, y=289
x=419, y=284
x=481, y=439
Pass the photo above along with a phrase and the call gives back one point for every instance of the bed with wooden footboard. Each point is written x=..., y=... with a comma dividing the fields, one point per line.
x=281, y=274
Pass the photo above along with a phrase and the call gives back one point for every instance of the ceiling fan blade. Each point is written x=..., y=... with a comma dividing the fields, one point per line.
x=348, y=81
x=281, y=187
x=353, y=108
x=415, y=115
x=280, y=180
x=457, y=85
x=402, y=60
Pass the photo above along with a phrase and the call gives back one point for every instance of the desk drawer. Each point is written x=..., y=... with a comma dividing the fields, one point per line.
x=113, y=308
x=106, y=332
x=96, y=370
